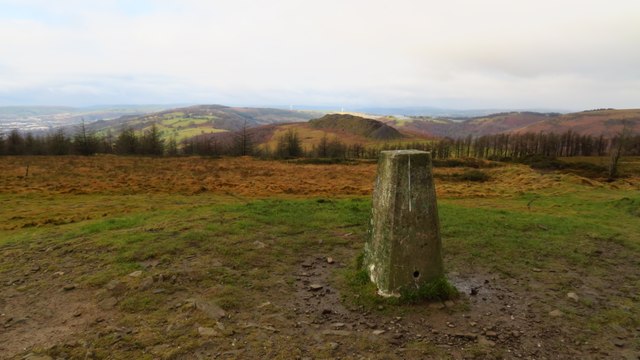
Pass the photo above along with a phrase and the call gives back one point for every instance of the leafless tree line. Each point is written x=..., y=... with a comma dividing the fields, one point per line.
x=289, y=145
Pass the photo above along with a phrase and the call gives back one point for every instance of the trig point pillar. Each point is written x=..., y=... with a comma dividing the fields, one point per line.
x=403, y=250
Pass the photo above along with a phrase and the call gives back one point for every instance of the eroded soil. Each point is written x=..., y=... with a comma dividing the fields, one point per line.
x=304, y=316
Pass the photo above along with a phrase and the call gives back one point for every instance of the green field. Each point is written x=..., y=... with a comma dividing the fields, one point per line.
x=240, y=254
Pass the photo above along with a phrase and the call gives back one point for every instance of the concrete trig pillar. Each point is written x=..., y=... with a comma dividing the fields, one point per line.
x=404, y=248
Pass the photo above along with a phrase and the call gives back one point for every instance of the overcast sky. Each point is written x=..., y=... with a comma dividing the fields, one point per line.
x=454, y=54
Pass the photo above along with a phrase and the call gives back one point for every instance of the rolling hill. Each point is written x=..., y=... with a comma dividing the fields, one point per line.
x=478, y=126
x=346, y=128
x=267, y=125
x=356, y=125
x=607, y=122
x=184, y=123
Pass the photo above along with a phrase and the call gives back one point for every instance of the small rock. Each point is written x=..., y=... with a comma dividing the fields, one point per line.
x=58, y=273
x=618, y=343
x=555, y=313
x=136, y=273
x=175, y=306
x=315, y=287
x=333, y=345
x=380, y=307
x=491, y=334
x=258, y=245
x=536, y=270
x=449, y=303
x=69, y=287
x=108, y=303
x=378, y=332
x=35, y=268
x=482, y=341
x=306, y=264
x=210, y=309
x=146, y=283
x=473, y=323
x=207, y=331
x=338, y=325
x=77, y=313
x=112, y=285
x=330, y=260
x=573, y=296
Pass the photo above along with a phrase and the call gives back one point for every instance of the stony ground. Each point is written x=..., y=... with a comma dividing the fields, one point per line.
x=68, y=292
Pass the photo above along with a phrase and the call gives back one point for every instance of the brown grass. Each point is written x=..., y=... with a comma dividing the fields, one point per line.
x=247, y=177
x=311, y=136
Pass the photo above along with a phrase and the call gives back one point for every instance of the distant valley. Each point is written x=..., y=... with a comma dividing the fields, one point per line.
x=46, y=118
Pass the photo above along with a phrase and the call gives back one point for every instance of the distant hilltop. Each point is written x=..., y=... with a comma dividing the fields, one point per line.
x=606, y=122
x=356, y=125
x=182, y=123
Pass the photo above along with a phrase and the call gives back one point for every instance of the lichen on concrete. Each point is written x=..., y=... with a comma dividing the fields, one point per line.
x=403, y=251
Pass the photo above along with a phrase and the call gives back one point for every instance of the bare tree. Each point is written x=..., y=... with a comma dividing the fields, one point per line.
x=84, y=142
x=617, y=148
x=242, y=141
x=289, y=145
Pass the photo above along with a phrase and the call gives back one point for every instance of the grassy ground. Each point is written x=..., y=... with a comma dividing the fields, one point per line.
x=164, y=275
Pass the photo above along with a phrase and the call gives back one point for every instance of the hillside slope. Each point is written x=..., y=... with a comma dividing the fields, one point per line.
x=184, y=123
x=478, y=126
x=356, y=125
x=347, y=129
x=598, y=122
x=606, y=122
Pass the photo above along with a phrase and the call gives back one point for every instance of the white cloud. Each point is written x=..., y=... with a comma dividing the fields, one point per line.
x=567, y=54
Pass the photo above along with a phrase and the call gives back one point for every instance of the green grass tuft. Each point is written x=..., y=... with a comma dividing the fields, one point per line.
x=438, y=289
